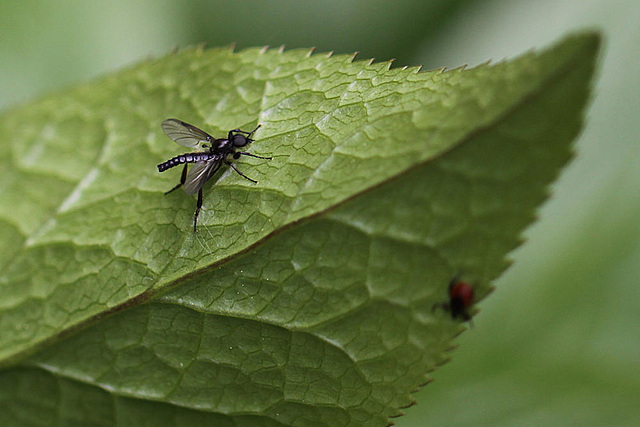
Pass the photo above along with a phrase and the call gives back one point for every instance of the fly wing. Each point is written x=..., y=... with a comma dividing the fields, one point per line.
x=200, y=173
x=184, y=133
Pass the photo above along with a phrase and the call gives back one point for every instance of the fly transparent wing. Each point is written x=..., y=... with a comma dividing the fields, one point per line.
x=199, y=174
x=185, y=134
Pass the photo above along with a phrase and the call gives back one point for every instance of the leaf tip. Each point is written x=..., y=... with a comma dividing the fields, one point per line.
x=459, y=68
x=409, y=405
x=390, y=63
x=428, y=381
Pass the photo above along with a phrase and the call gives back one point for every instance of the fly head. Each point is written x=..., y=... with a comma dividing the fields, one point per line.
x=238, y=140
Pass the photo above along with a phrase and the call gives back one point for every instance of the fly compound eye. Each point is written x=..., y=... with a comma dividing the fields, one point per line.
x=240, y=140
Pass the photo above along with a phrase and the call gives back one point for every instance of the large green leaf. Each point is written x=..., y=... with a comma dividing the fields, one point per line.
x=305, y=299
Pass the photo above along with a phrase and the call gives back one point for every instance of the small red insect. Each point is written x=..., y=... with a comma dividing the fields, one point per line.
x=460, y=299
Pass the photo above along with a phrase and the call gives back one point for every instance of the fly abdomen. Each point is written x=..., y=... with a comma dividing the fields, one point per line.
x=184, y=158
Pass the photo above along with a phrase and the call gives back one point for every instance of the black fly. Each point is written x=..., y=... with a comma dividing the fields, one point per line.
x=206, y=162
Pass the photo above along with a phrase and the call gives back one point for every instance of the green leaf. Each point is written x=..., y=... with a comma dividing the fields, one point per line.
x=305, y=299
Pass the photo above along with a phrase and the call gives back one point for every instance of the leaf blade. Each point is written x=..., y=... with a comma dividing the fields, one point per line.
x=351, y=319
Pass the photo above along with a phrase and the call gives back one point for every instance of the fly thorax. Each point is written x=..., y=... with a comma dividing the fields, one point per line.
x=221, y=144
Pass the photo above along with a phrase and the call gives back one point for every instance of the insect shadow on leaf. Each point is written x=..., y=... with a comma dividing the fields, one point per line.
x=205, y=163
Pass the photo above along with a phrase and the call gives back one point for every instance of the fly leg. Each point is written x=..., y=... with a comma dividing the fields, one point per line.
x=244, y=153
x=244, y=132
x=195, y=215
x=183, y=178
x=240, y=173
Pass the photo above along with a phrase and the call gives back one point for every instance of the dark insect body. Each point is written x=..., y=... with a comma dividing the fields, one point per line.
x=206, y=163
x=461, y=296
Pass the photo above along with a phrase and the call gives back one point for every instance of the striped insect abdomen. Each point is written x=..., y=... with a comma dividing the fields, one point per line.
x=185, y=158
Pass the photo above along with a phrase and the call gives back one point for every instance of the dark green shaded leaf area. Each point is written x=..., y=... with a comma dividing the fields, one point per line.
x=303, y=300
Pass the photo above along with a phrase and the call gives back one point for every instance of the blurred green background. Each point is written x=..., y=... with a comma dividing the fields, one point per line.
x=558, y=343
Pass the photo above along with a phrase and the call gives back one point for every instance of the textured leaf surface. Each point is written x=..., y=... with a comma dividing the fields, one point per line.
x=304, y=299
